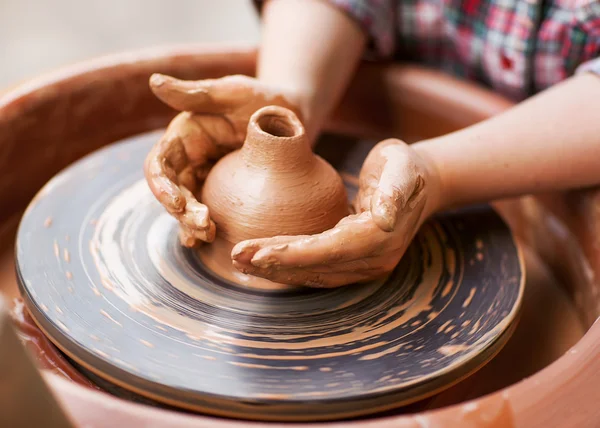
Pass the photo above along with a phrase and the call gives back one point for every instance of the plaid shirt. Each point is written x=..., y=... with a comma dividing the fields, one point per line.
x=515, y=47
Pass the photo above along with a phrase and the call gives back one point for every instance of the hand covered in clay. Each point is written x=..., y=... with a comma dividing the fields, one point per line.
x=213, y=122
x=397, y=192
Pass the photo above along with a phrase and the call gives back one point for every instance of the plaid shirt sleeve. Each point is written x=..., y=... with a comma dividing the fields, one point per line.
x=375, y=17
x=589, y=24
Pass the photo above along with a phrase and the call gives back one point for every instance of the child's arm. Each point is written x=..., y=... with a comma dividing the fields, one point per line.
x=549, y=142
x=310, y=49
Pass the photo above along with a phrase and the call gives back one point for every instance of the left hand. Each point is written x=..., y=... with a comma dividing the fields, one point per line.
x=398, y=190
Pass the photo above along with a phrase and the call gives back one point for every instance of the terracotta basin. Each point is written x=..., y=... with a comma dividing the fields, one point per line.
x=547, y=375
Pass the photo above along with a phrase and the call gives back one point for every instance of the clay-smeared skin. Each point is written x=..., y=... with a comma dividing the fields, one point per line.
x=392, y=203
x=395, y=194
x=213, y=122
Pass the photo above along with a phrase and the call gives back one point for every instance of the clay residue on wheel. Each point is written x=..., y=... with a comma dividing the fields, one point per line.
x=112, y=253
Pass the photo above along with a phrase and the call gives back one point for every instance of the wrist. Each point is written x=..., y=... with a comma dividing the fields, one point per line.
x=436, y=191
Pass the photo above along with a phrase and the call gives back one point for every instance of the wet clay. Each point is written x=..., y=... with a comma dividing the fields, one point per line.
x=135, y=307
x=72, y=112
x=534, y=344
x=274, y=185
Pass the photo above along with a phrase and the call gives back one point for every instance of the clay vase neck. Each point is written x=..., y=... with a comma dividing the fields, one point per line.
x=276, y=143
x=274, y=185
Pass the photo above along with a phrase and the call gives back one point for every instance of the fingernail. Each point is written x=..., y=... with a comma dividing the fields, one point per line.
x=239, y=251
x=280, y=247
x=204, y=221
x=384, y=213
x=264, y=262
x=157, y=80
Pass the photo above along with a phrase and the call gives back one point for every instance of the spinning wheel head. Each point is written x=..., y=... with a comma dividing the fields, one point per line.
x=104, y=276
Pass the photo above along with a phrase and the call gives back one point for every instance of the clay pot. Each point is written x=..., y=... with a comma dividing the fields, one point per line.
x=274, y=185
x=48, y=123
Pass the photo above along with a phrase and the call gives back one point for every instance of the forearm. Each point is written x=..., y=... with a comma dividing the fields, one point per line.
x=310, y=49
x=549, y=142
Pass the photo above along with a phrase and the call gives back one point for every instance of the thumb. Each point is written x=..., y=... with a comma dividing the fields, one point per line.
x=209, y=96
x=399, y=183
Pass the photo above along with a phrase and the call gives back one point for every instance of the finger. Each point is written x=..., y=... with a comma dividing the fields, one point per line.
x=305, y=278
x=165, y=160
x=362, y=202
x=370, y=174
x=190, y=237
x=197, y=218
x=364, y=265
x=400, y=181
x=162, y=187
x=210, y=96
x=355, y=238
x=196, y=215
x=208, y=234
x=245, y=250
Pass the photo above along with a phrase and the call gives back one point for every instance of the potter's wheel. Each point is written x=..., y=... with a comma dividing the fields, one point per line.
x=104, y=276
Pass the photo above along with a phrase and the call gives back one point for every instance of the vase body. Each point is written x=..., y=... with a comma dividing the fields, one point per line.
x=274, y=185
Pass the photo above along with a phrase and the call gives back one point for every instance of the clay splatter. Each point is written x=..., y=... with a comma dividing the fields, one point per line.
x=266, y=367
x=443, y=326
x=467, y=301
x=447, y=288
x=101, y=353
x=103, y=312
x=207, y=357
x=450, y=350
x=382, y=353
x=107, y=284
x=62, y=326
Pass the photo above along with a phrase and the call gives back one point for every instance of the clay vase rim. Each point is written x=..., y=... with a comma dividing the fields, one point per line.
x=274, y=135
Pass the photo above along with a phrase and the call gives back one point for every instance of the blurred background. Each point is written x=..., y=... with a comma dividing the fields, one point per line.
x=39, y=35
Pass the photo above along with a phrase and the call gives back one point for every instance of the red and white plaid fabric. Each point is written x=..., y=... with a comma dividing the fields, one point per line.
x=515, y=47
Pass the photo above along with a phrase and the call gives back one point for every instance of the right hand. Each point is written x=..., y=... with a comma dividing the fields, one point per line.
x=213, y=121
